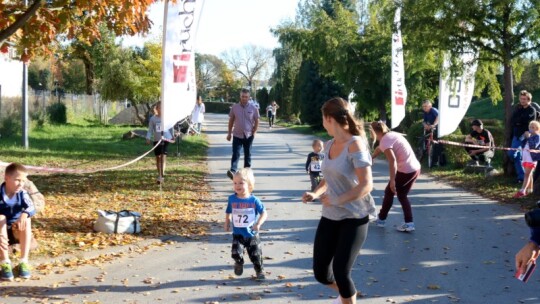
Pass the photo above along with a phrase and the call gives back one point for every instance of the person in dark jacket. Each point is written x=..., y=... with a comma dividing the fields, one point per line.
x=529, y=252
x=480, y=137
x=523, y=114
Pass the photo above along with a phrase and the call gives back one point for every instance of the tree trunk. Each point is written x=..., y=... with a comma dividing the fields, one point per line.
x=508, y=164
x=382, y=113
x=89, y=71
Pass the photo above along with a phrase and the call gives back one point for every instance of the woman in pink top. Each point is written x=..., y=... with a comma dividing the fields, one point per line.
x=404, y=170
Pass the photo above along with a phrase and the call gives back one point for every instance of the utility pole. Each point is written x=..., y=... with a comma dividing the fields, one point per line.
x=25, y=101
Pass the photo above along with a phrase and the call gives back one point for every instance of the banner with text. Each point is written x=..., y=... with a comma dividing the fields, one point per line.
x=455, y=93
x=178, y=85
x=399, y=91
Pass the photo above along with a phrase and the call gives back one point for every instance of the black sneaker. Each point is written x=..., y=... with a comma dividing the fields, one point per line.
x=238, y=269
x=230, y=174
x=259, y=276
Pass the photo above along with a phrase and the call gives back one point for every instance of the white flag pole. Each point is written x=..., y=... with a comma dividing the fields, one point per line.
x=178, y=84
x=399, y=91
x=455, y=93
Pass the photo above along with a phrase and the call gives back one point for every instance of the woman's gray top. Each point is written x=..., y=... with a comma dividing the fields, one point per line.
x=339, y=175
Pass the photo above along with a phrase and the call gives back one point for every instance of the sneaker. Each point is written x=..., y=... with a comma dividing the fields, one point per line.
x=337, y=300
x=519, y=194
x=260, y=276
x=238, y=269
x=7, y=272
x=406, y=227
x=24, y=270
x=159, y=180
x=230, y=174
x=380, y=223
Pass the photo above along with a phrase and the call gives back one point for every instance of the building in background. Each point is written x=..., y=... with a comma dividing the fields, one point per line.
x=10, y=75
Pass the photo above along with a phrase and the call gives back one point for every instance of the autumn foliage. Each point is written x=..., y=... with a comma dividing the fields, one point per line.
x=36, y=28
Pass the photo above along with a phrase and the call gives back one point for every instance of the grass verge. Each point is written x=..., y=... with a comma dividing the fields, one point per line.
x=65, y=225
x=497, y=187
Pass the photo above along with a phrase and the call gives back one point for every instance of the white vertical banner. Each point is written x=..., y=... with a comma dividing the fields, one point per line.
x=178, y=85
x=399, y=91
x=455, y=93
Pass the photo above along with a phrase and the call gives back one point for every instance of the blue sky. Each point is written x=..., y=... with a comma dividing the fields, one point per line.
x=227, y=24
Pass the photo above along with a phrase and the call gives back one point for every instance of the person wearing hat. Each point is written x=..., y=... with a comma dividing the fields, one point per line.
x=480, y=137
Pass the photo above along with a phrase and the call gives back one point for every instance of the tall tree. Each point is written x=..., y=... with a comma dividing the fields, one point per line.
x=208, y=69
x=145, y=72
x=74, y=76
x=93, y=54
x=500, y=30
x=35, y=27
x=288, y=62
x=331, y=40
x=314, y=89
x=39, y=75
x=249, y=62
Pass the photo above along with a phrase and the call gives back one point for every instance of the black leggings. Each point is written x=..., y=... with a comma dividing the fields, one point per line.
x=337, y=243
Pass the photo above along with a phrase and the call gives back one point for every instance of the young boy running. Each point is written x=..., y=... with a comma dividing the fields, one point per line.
x=314, y=162
x=247, y=214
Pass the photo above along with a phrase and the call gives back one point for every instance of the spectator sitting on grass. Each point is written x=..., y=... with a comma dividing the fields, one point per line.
x=16, y=208
x=480, y=137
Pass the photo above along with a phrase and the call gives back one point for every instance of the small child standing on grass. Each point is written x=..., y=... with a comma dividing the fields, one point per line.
x=314, y=162
x=529, y=158
x=154, y=134
x=16, y=208
x=247, y=214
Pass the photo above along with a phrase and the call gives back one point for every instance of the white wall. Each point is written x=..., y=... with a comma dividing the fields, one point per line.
x=10, y=76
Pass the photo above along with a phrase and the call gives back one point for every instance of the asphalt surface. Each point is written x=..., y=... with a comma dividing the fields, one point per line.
x=461, y=252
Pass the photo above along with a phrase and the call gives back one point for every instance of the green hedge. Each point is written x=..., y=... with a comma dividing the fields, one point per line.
x=57, y=113
x=218, y=107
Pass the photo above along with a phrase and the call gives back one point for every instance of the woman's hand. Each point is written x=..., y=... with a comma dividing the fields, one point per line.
x=392, y=185
x=325, y=200
x=308, y=197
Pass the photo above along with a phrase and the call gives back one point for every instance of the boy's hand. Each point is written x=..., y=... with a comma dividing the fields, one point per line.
x=227, y=227
x=148, y=141
x=257, y=227
x=21, y=222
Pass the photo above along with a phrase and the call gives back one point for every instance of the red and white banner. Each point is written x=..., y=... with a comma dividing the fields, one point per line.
x=455, y=93
x=178, y=86
x=399, y=91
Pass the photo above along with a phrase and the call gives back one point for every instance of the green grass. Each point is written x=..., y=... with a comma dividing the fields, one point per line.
x=86, y=141
x=65, y=225
x=499, y=187
x=485, y=109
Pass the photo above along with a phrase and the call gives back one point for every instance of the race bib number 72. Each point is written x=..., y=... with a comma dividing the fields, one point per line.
x=243, y=218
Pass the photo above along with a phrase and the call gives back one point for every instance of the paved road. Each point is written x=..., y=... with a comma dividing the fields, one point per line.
x=461, y=252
